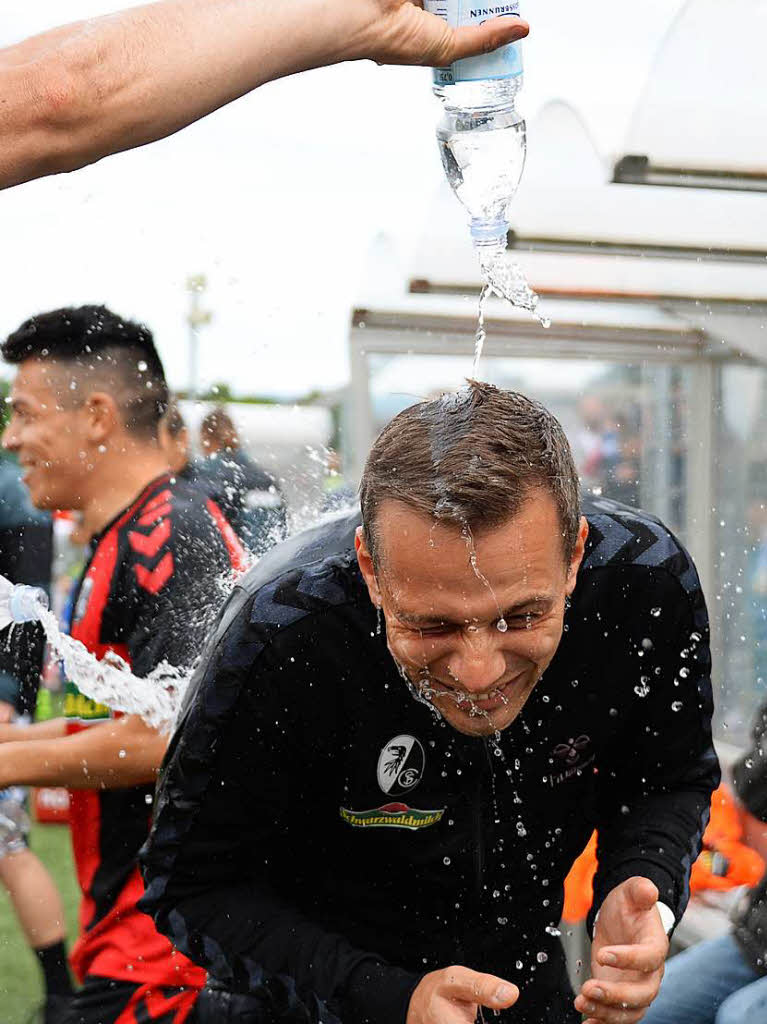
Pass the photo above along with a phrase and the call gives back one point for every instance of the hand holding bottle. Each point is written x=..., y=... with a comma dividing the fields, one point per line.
x=402, y=32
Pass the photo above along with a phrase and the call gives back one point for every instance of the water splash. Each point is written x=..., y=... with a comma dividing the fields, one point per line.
x=479, y=339
x=156, y=698
x=506, y=279
x=501, y=624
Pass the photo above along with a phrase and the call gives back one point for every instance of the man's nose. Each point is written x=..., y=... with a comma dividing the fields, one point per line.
x=10, y=437
x=479, y=662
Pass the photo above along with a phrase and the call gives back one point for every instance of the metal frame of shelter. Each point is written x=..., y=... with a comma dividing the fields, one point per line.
x=646, y=333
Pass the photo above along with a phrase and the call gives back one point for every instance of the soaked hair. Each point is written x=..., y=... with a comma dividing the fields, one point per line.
x=98, y=350
x=471, y=458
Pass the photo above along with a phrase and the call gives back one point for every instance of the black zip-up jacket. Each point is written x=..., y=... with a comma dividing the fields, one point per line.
x=321, y=840
x=750, y=778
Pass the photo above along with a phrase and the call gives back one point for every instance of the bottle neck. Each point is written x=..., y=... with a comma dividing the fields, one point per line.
x=489, y=235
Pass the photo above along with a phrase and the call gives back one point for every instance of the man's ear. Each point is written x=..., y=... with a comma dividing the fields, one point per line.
x=577, y=556
x=102, y=417
x=365, y=562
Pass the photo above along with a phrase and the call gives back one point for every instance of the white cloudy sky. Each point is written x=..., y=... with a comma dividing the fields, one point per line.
x=278, y=197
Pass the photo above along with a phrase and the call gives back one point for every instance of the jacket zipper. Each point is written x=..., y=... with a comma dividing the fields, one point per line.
x=479, y=838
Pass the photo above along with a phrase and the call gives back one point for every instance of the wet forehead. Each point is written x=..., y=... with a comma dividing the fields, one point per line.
x=429, y=567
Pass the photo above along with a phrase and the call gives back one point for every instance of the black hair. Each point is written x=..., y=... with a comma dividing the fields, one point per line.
x=99, y=343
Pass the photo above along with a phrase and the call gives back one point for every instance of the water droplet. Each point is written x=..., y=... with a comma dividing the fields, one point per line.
x=501, y=625
x=655, y=612
x=121, y=753
x=446, y=861
x=142, y=366
x=541, y=957
x=519, y=965
x=677, y=705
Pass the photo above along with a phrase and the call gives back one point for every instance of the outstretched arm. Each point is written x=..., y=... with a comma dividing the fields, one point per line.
x=119, y=752
x=76, y=94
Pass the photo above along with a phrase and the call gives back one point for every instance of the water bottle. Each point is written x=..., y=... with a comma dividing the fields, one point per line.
x=481, y=136
x=20, y=603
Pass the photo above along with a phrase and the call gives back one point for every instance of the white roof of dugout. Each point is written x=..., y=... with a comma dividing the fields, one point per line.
x=567, y=199
x=605, y=256
x=703, y=102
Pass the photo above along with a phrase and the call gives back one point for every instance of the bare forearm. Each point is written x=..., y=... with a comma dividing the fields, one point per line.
x=124, y=80
x=111, y=755
x=49, y=730
x=74, y=95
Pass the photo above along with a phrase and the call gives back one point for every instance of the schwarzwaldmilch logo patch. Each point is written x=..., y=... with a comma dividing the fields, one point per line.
x=401, y=766
x=392, y=816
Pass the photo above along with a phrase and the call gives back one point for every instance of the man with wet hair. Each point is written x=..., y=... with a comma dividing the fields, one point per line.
x=86, y=402
x=80, y=92
x=406, y=728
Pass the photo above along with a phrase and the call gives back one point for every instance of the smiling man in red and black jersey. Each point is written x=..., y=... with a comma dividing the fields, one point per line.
x=85, y=406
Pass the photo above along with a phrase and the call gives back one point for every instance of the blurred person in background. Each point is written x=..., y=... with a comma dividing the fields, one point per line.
x=173, y=435
x=246, y=493
x=86, y=402
x=338, y=494
x=26, y=553
x=75, y=94
x=724, y=980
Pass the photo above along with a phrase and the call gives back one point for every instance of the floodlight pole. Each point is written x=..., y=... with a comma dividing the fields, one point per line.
x=196, y=318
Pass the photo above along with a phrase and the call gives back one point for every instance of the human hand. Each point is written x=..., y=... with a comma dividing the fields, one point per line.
x=627, y=956
x=401, y=32
x=454, y=995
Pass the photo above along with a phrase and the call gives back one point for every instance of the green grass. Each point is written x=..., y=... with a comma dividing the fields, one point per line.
x=20, y=983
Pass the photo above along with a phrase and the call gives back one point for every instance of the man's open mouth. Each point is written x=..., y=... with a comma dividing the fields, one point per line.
x=498, y=697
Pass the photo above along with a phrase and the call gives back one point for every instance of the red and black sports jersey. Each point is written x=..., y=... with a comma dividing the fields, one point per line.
x=155, y=577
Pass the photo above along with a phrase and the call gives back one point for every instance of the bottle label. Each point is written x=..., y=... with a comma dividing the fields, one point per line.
x=503, y=63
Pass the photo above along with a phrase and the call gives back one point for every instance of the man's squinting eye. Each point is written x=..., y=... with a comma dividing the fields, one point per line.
x=438, y=630
x=523, y=620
